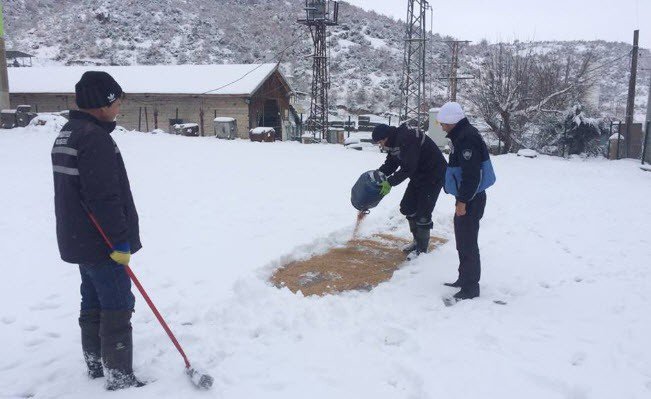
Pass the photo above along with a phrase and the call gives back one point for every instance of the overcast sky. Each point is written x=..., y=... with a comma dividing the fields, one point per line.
x=505, y=20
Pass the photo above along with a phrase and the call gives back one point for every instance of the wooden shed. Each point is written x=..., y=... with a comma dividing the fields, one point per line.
x=254, y=94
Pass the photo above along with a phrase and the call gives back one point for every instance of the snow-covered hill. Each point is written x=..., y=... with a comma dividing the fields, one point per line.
x=366, y=49
x=565, y=242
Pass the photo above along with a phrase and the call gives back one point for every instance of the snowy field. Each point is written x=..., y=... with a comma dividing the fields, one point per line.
x=567, y=243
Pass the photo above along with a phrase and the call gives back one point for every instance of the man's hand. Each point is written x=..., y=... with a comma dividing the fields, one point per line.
x=385, y=188
x=461, y=209
x=121, y=254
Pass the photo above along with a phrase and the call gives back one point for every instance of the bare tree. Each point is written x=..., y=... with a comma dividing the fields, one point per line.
x=516, y=85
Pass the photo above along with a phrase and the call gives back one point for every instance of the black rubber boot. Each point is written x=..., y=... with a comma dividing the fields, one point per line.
x=91, y=342
x=467, y=292
x=413, y=245
x=421, y=241
x=117, y=349
x=422, y=238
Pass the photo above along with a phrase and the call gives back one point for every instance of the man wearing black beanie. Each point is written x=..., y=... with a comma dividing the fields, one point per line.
x=89, y=176
x=412, y=154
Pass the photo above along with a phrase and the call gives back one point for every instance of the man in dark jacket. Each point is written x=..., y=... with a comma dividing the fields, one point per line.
x=412, y=155
x=469, y=174
x=89, y=176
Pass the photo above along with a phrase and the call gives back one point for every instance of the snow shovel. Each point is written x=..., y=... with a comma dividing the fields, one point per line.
x=200, y=380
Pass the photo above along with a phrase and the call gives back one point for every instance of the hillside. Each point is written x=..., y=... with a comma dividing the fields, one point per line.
x=366, y=48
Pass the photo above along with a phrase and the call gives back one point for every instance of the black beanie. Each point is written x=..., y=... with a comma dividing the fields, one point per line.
x=381, y=132
x=97, y=89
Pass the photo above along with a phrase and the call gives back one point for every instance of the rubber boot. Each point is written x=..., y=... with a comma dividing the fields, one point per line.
x=91, y=342
x=117, y=349
x=467, y=292
x=411, y=246
x=421, y=239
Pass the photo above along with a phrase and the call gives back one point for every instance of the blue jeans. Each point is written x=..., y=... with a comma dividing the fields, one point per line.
x=105, y=286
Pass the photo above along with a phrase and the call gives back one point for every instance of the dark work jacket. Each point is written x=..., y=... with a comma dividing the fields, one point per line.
x=88, y=168
x=417, y=156
x=470, y=171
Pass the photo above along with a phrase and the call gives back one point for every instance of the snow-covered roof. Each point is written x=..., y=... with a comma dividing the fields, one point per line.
x=243, y=79
x=376, y=119
x=224, y=119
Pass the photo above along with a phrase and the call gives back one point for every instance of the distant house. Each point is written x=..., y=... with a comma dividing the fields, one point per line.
x=157, y=96
x=18, y=59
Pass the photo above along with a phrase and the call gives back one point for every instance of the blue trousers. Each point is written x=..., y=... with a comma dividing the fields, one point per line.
x=105, y=286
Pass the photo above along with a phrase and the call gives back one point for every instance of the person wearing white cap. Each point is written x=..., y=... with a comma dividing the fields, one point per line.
x=469, y=174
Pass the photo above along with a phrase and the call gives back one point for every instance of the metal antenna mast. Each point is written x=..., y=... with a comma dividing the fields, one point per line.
x=412, y=92
x=319, y=14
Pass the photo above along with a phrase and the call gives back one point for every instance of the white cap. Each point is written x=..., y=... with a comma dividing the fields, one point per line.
x=450, y=113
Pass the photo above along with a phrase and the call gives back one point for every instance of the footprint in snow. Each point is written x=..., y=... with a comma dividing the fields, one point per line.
x=49, y=362
x=34, y=342
x=578, y=358
x=30, y=328
x=394, y=337
x=45, y=306
x=10, y=366
x=8, y=320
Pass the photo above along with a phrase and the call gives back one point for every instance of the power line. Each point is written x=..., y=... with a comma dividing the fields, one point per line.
x=608, y=63
x=277, y=57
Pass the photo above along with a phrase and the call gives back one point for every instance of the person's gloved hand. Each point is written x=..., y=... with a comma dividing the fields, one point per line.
x=385, y=188
x=121, y=253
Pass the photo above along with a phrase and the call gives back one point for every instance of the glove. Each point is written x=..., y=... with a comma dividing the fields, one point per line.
x=121, y=253
x=385, y=188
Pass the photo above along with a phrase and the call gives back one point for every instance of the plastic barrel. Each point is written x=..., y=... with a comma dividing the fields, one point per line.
x=365, y=194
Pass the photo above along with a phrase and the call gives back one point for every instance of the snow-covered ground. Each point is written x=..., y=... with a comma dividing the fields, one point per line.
x=566, y=242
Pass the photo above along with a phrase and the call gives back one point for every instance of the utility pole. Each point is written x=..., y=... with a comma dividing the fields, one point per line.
x=646, y=152
x=4, y=79
x=317, y=18
x=630, y=104
x=412, y=90
x=453, y=78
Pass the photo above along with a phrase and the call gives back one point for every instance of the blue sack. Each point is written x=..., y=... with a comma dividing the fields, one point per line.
x=365, y=194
